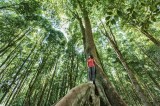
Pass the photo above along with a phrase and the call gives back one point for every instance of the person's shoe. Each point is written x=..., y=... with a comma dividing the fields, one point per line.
x=93, y=82
x=90, y=82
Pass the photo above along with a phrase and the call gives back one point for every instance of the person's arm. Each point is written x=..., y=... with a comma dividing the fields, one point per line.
x=94, y=62
x=87, y=64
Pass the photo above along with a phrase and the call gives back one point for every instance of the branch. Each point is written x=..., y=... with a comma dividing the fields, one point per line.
x=113, y=37
x=78, y=95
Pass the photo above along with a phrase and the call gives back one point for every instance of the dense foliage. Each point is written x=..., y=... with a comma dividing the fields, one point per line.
x=42, y=54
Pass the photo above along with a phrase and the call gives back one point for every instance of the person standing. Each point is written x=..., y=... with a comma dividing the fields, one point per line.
x=91, y=68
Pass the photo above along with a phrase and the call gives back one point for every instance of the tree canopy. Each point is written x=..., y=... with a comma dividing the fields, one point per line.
x=44, y=45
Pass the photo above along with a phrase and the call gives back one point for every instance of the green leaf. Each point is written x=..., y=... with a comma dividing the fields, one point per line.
x=107, y=23
x=134, y=15
x=116, y=17
x=113, y=21
x=119, y=13
x=109, y=13
x=108, y=17
x=153, y=19
x=143, y=4
x=130, y=9
x=109, y=49
x=156, y=11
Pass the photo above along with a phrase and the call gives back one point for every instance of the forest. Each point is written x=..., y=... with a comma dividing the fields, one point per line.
x=44, y=46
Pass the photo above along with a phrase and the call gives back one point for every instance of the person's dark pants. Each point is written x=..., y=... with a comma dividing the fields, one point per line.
x=92, y=74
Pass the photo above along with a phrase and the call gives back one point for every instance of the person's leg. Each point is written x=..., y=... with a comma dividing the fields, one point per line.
x=93, y=74
x=89, y=74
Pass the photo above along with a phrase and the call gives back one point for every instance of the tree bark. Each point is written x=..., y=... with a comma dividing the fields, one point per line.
x=6, y=66
x=11, y=54
x=90, y=48
x=17, y=73
x=12, y=43
x=42, y=94
x=150, y=37
x=51, y=81
x=9, y=6
x=133, y=79
x=82, y=31
x=24, y=77
x=34, y=79
x=149, y=57
x=78, y=96
x=153, y=79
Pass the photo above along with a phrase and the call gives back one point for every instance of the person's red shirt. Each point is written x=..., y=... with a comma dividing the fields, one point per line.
x=90, y=62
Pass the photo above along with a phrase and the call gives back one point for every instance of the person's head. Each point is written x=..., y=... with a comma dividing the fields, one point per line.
x=90, y=56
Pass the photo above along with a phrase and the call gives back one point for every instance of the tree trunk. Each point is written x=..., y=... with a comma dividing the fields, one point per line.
x=150, y=37
x=82, y=95
x=51, y=81
x=29, y=92
x=125, y=91
x=6, y=66
x=24, y=77
x=149, y=57
x=12, y=43
x=42, y=94
x=113, y=97
x=10, y=55
x=9, y=6
x=133, y=79
x=90, y=48
x=17, y=73
x=153, y=79
x=17, y=88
